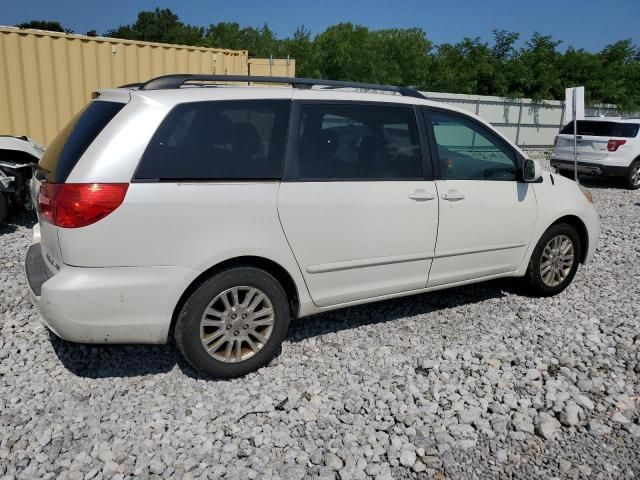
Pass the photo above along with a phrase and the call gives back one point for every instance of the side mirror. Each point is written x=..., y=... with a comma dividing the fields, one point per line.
x=532, y=171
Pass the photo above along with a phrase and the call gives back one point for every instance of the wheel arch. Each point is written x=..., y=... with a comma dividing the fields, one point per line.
x=581, y=228
x=278, y=271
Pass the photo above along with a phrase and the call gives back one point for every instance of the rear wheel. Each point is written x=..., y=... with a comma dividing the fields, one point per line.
x=632, y=179
x=554, y=261
x=4, y=208
x=234, y=323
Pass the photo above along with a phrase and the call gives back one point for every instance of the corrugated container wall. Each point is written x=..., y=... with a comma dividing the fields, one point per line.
x=46, y=77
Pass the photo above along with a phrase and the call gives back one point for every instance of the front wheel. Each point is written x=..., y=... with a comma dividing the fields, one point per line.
x=233, y=323
x=632, y=179
x=554, y=261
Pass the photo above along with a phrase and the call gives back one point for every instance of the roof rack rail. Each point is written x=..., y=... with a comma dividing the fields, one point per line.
x=177, y=80
x=132, y=85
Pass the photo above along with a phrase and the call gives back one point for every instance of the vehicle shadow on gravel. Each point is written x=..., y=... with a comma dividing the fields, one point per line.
x=22, y=219
x=601, y=183
x=398, y=308
x=104, y=361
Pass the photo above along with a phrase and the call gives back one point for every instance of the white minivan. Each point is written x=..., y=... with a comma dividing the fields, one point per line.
x=213, y=214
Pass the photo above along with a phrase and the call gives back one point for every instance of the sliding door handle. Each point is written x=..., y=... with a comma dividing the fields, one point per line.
x=453, y=196
x=421, y=196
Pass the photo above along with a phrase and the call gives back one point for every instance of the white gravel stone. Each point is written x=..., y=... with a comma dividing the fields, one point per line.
x=619, y=417
x=585, y=402
x=407, y=457
x=571, y=414
x=449, y=384
x=548, y=427
x=598, y=428
x=332, y=461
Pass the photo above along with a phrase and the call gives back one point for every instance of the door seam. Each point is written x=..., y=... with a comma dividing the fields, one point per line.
x=284, y=233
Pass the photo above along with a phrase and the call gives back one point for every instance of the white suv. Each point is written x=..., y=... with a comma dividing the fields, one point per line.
x=215, y=214
x=605, y=146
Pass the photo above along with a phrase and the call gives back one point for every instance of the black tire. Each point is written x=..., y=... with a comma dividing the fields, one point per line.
x=534, y=278
x=4, y=208
x=634, y=171
x=187, y=328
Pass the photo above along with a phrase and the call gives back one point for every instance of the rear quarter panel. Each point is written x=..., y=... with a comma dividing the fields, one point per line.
x=192, y=225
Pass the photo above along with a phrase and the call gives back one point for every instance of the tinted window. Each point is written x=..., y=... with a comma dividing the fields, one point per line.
x=357, y=142
x=602, y=129
x=219, y=140
x=74, y=139
x=628, y=130
x=469, y=151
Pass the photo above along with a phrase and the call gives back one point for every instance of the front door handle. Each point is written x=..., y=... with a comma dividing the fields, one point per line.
x=453, y=196
x=421, y=196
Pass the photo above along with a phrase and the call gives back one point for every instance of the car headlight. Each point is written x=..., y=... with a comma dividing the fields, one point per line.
x=586, y=193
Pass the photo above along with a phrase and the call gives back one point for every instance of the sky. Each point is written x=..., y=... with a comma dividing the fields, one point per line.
x=587, y=24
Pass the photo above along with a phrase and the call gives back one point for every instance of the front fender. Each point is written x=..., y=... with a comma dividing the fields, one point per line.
x=557, y=198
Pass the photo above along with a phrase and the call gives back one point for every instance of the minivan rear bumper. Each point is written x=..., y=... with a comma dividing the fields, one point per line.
x=591, y=168
x=106, y=305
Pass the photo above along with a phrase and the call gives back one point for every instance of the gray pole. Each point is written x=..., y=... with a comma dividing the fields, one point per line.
x=575, y=137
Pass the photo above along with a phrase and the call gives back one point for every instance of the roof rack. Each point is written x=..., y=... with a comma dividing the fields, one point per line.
x=176, y=81
x=132, y=85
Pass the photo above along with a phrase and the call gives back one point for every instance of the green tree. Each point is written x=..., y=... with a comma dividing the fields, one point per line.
x=466, y=67
x=507, y=67
x=260, y=42
x=301, y=47
x=49, y=25
x=406, y=57
x=539, y=79
x=579, y=67
x=401, y=56
x=346, y=52
x=621, y=75
x=159, y=26
x=503, y=44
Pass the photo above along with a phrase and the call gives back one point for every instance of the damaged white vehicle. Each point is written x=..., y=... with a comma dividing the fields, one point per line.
x=18, y=158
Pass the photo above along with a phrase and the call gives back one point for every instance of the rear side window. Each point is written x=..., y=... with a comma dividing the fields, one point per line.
x=628, y=130
x=357, y=142
x=74, y=139
x=221, y=140
x=602, y=129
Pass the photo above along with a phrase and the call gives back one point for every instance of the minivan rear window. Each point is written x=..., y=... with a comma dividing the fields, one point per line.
x=218, y=140
x=602, y=129
x=66, y=149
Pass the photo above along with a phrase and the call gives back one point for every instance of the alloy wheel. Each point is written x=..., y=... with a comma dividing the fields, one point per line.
x=237, y=324
x=557, y=260
x=635, y=175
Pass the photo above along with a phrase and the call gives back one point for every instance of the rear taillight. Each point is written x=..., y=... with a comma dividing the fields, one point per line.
x=74, y=205
x=613, y=145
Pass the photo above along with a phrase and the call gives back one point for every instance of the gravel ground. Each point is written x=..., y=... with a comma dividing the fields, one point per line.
x=474, y=382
